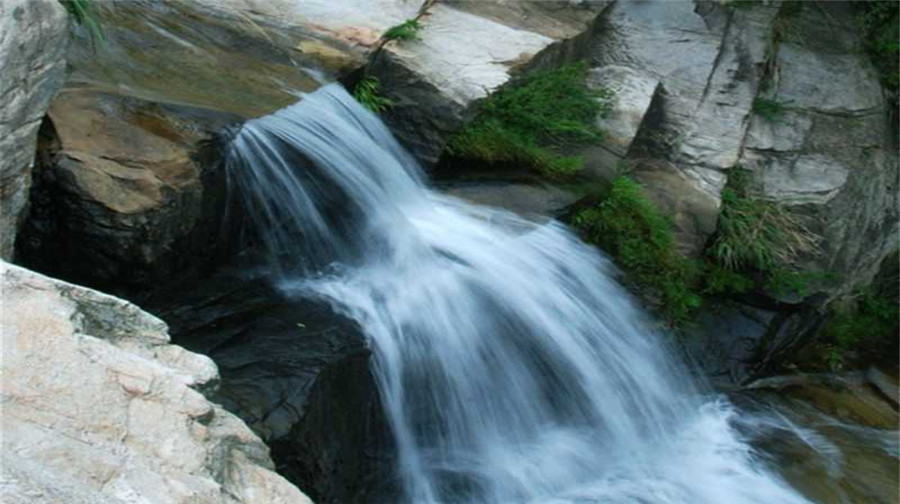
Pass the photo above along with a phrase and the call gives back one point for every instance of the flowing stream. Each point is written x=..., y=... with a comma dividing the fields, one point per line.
x=511, y=365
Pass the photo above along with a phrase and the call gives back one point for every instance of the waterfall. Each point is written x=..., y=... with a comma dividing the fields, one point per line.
x=511, y=365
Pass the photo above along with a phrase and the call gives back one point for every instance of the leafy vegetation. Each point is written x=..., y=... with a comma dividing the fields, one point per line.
x=82, y=11
x=525, y=123
x=368, y=93
x=627, y=225
x=407, y=30
x=770, y=110
x=754, y=248
x=755, y=234
x=868, y=330
x=865, y=330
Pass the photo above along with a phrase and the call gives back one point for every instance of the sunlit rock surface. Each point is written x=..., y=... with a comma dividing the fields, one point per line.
x=98, y=407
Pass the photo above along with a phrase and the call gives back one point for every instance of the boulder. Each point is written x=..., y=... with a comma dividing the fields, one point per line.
x=465, y=51
x=33, y=38
x=121, y=192
x=99, y=407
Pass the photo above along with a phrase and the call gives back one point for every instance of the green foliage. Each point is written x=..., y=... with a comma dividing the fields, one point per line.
x=755, y=234
x=871, y=329
x=718, y=280
x=627, y=225
x=783, y=281
x=880, y=26
x=407, y=30
x=770, y=110
x=368, y=93
x=82, y=11
x=524, y=122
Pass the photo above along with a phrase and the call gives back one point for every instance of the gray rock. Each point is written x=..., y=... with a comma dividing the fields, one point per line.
x=33, y=38
x=693, y=211
x=632, y=93
x=829, y=154
x=709, y=61
x=100, y=408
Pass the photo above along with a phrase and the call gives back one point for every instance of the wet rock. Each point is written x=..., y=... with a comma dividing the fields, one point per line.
x=121, y=191
x=33, y=38
x=224, y=56
x=725, y=341
x=539, y=200
x=297, y=373
x=830, y=436
x=99, y=407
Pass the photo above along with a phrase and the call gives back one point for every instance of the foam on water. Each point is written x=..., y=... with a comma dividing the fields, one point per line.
x=511, y=365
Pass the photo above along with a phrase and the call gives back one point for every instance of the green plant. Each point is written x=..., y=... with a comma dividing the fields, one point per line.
x=756, y=234
x=718, y=280
x=870, y=328
x=82, y=11
x=407, y=30
x=770, y=110
x=784, y=281
x=627, y=225
x=524, y=123
x=368, y=93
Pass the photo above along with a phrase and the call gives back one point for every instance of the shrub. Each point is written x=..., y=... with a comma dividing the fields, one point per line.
x=770, y=110
x=368, y=93
x=627, y=225
x=82, y=11
x=523, y=123
x=407, y=30
x=870, y=329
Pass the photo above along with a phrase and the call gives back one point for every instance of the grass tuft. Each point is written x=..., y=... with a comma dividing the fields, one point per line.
x=524, y=123
x=368, y=93
x=770, y=110
x=755, y=234
x=82, y=11
x=627, y=225
x=407, y=30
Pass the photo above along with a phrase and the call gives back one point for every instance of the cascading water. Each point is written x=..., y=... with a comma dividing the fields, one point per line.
x=511, y=366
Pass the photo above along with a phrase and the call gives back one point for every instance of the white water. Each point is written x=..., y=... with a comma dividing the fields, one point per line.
x=512, y=367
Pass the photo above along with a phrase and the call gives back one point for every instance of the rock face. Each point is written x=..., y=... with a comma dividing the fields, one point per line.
x=100, y=408
x=121, y=190
x=829, y=154
x=826, y=152
x=33, y=38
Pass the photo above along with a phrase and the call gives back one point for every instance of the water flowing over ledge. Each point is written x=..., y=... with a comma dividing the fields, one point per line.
x=511, y=365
